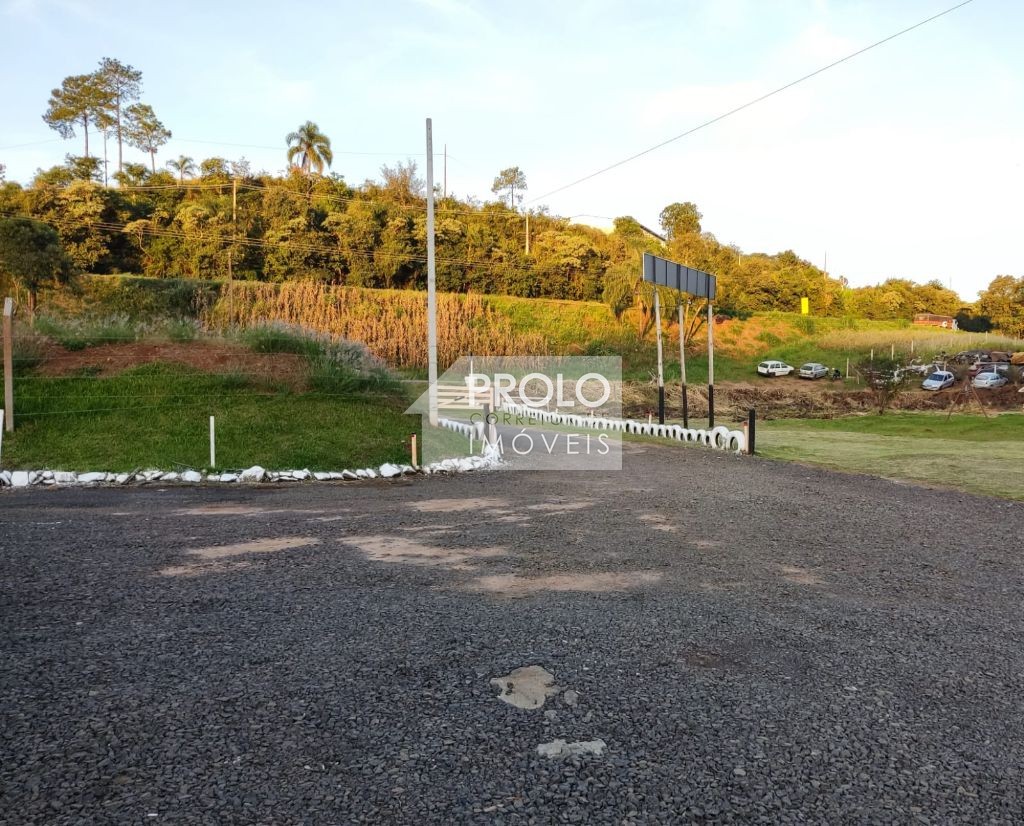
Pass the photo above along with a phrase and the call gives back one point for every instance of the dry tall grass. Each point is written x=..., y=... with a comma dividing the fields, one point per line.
x=391, y=323
x=926, y=340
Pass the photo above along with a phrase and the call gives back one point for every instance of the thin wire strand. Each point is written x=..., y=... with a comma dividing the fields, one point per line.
x=753, y=102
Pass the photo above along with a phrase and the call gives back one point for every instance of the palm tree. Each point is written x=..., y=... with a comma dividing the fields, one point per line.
x=184, y=166
x=309, y=148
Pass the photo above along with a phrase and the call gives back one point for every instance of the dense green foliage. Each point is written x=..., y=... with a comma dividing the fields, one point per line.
x=31, y=256
x=216, y=219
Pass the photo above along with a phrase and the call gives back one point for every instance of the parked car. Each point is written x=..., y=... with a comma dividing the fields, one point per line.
x=939, y=380
x=989, y=380
x=922, y=369
x=987, y=367
x=774, y=368
x=813, y=370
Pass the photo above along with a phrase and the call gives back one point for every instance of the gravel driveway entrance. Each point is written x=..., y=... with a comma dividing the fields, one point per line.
x=714, y=637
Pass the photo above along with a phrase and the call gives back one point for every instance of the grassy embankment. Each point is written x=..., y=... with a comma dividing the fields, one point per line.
x=967, y=452
x=153, y=415
x=337, y=411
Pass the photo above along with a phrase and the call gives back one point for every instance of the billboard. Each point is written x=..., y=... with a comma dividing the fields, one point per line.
x=675, y=276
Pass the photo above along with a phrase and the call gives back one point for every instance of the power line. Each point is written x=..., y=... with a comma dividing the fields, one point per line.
x=750, y=103
x=31, y=143
x=284, y=148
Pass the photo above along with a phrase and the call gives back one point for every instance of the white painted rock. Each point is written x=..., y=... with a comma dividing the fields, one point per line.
x=560, y=748
x=389, y=470
x=301, y=475
x=122, y=478
x=192, y=477
x=151, y=475
x=47, y=475
x=63, y=477
x=213, y=477
x=349, y=475
x=229, y=477
x=253, y=474
x=92, y=478
x=5, y=478
x=362, y=473
x=408, y=469
x=34, y=477
x=320, y=476
x=170, y=476
x=335, y=475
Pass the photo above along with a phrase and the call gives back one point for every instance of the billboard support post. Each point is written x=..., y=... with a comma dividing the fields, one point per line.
x=661, y=366
x=711, y=366
x=682, y=361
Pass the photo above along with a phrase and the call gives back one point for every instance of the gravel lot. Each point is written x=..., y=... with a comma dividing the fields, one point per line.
x=752, y=641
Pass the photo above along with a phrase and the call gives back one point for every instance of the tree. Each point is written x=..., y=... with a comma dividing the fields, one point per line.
x=402, y=182
x=84, y=168
x=509, y=180
x=1003, y=302
x=309, y=149
x=214, y=168
x=885, y=378
x=32, y=256
x=680, y=219
x=144, y=131
x=184, y=166
x=122, y=84
x=77, y=103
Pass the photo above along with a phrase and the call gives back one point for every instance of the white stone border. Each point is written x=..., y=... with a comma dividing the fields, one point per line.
x=253, y=475
x=721, y=438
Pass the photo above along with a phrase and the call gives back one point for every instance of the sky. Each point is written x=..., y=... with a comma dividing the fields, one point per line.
x=903, y=162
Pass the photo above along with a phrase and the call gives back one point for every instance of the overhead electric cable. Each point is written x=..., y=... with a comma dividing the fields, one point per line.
x=750, y=103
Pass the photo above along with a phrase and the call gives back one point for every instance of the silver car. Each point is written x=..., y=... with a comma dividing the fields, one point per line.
x=813, y=370
x=939, y=380
x=989, y=380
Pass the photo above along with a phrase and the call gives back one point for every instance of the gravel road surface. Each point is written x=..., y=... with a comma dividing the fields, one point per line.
x=730, y=640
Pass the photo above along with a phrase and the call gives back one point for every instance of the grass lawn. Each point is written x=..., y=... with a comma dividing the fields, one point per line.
x=967, y=452
x=157, y=415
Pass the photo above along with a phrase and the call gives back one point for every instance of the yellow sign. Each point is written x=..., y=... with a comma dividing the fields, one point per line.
x=805, y=306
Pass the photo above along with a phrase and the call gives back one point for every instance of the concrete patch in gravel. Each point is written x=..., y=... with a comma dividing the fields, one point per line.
x=236, y=509
x=383, y=548
x=269, y=545
x=459, y=505
x=657, y=522
x=560, y=748
x=515, y=585
x=527, y=687
x=800, y=576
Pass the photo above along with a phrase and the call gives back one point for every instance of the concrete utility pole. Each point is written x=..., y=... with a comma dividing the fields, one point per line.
x=431, y=284
x=682, y=361
x=444, y=190
x=711, y=366
x=8, y=365
x=661, y=370
x=527, y=232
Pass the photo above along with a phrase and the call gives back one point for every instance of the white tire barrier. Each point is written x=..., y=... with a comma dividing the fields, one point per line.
x=720, y=438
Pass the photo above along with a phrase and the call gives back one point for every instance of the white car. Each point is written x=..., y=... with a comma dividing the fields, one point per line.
x=774, y=368
x=939, y=380
x=989, y=380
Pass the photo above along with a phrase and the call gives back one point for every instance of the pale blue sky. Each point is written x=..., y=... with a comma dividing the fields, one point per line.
x=905, y=161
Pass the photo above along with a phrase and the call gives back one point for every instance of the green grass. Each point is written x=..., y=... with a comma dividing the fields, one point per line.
x=968, y=452
x=158, y=416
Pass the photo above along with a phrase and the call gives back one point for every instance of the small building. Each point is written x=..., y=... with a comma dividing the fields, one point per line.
x=947, y=322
